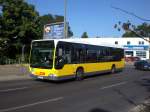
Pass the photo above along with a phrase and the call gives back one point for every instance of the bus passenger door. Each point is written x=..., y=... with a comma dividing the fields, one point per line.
x=66, y=54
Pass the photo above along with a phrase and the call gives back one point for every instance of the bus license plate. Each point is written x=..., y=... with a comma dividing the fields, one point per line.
x=40, y=77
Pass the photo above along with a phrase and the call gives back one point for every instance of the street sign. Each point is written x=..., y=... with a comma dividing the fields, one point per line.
x=136, y=47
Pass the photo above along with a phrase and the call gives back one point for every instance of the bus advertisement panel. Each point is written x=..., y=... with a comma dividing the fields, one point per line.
x=54, y=31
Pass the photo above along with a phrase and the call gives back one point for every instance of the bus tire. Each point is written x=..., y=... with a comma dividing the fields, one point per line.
x=113, y=69
x=79, y=74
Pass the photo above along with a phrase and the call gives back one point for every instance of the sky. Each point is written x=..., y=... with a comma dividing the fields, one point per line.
x=96, y=17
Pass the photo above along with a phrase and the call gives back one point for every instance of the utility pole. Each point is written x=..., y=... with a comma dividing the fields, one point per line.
x=22, y=57
x=65, y=18
x=149, y=47
x=23, y=60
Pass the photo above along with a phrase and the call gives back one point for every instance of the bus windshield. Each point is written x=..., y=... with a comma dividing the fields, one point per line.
x=42, y=54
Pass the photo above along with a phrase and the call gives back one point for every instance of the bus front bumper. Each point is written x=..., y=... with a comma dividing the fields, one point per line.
x=51, y=77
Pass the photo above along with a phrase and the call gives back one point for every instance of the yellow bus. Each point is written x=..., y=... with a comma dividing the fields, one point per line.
x=60, y=59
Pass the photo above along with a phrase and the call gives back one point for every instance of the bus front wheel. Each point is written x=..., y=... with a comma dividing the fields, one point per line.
x=79, y=74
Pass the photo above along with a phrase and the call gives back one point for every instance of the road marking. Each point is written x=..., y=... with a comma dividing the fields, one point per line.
x=113, y=85
x=20, y=88
x=31, y=104
x=14, y=89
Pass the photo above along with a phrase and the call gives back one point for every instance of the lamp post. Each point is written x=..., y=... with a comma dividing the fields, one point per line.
x=65, y=16
x=22, y=57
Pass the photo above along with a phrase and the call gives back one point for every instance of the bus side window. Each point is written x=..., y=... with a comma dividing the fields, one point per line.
x=60, y=52
x=67, y=55
x=98, y=56
x=91, y=55
x=102, y=55
x=74, y=55
x=79, y=55
x=64, y=53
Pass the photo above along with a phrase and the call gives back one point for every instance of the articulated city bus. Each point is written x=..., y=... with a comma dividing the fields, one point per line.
x=60, y=59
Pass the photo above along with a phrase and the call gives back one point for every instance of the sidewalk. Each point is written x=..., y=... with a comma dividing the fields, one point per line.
x=144, y=107
x=13, y=72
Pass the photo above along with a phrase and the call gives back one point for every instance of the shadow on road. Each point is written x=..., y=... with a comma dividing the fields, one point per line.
x=126, y=98
x=93, y=76
x=98, y=110
x=146, y=83
x=55, y=82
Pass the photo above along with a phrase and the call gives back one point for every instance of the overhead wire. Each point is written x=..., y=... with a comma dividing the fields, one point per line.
x=131, y=13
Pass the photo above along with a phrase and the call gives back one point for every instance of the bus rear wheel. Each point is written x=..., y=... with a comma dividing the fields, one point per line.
x=79, y=74
x=113, y=69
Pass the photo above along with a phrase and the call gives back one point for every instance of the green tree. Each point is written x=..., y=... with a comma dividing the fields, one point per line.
x=84, y=35
x=46, y=19
x=143, y=30
x=129, y=34
x=70, y=33
x=19, y=25
x=59, y=18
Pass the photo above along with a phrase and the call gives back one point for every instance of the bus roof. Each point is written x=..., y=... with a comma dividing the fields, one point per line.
x=89, y=41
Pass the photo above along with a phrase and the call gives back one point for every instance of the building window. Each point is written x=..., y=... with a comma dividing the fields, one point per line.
x=116, y=42
x=141, y=54
x=128, y=43
x=141, y=42
x=128, y=53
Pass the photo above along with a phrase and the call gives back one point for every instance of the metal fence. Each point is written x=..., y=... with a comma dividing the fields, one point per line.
x=4, y=61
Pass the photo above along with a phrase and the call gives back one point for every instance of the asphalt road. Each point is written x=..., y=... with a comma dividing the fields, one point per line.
x=118, y=92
